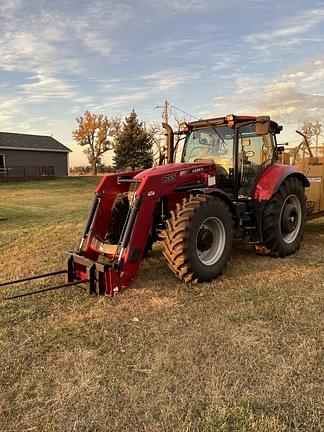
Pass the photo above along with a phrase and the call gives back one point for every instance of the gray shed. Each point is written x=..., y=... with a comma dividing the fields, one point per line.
x=32, y=156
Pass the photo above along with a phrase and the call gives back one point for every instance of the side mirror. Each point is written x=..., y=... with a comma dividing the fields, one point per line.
x=262, y=125
x=245, y=142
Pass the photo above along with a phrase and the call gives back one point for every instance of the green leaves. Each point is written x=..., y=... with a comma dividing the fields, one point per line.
x=133, y=145
x=130, y=139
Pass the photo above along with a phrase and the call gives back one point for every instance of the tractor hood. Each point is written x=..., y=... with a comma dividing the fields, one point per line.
x=181, y=168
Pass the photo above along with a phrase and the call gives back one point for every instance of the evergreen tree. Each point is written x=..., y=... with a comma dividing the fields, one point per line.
x=133, y=145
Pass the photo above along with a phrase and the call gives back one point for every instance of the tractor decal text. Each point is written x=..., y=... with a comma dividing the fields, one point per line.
x=169, y=178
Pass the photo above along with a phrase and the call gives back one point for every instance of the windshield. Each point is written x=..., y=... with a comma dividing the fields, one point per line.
x=214, y=143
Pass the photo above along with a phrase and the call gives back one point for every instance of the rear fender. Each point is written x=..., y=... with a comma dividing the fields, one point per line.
x=272, y=178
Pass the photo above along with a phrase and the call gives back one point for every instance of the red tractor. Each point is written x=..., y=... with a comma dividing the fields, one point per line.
x=227, y=186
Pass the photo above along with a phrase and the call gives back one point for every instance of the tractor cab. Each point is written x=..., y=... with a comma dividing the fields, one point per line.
x=240, y=147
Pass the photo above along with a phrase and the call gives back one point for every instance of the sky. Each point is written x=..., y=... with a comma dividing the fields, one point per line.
x=206, y=57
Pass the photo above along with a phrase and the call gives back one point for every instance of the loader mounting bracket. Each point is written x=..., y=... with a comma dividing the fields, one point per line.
x=96, y=272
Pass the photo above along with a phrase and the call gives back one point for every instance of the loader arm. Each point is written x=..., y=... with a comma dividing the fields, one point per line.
x=110, y=268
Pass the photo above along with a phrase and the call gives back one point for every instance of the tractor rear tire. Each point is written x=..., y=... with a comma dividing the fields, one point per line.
x=284, y=219
x=197, y=242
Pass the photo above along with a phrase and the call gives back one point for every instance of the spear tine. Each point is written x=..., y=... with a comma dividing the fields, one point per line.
x=32, y=278
x=68, y=284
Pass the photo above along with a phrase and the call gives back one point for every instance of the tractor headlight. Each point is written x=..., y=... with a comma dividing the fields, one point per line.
x=184, y=127
x=230, y=119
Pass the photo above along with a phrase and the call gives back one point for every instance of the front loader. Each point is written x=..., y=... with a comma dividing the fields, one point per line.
x=228, y=186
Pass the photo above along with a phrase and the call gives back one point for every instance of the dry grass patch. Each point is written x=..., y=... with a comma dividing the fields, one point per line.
x=242, y=353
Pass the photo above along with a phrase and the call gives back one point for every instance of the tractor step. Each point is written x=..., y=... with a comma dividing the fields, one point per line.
x=250, y=228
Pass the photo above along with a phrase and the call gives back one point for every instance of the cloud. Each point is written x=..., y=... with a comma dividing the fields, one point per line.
x=292, y=97
x=186, y=5
x=11, y=109
x=227, y=62
x=9, y=5
x=114, y=102
x=291, y=32
x=49, y=54
x=173, y=45
x=46, y=37
x=45, y=87
x=117, y=94
x=200, y=5
x=97, y=25
x=294, y=75
x=169, y=79
x=111, y=56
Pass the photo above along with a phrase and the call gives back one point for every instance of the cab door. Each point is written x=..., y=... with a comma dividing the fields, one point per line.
x=256, y=153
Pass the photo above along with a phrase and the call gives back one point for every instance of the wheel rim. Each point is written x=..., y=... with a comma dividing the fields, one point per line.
x=210, y=241
x=290, y=219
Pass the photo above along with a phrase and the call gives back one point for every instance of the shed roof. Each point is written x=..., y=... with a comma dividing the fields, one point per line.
x=17, y=141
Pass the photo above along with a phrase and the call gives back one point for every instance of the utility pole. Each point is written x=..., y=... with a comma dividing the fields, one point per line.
x=165, y=118
x=166, y=112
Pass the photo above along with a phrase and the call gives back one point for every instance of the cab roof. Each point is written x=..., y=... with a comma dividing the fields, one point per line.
x=218, y=121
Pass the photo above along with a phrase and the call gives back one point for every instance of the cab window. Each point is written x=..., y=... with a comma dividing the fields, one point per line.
x=255, y=154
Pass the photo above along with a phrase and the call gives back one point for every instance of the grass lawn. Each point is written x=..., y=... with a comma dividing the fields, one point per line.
x=242, y=353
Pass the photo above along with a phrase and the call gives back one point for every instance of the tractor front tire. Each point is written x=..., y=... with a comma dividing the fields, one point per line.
x=197, y=242
x=284, y=219
x=119, y=214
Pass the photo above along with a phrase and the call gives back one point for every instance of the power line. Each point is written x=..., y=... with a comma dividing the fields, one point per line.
x=167, y=104
x=184, y=112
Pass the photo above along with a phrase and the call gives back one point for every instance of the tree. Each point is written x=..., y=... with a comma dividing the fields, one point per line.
x=94, y=131
x=312, y=129
x=158, y=143
x=133, y=145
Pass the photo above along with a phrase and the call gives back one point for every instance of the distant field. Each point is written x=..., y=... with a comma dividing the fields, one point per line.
x=242, y=353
